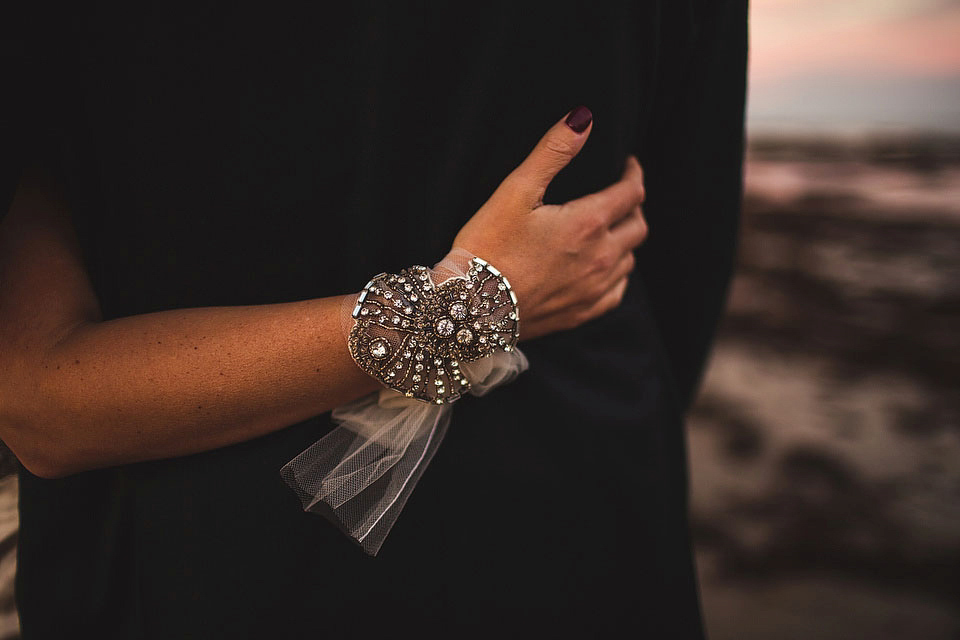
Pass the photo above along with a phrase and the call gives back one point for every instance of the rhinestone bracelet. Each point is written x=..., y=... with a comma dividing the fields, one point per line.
x=411, y=333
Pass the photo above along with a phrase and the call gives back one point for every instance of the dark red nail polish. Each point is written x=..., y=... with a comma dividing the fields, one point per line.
x=579, y=119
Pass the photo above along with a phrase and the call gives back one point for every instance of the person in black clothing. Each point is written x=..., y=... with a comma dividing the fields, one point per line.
x=195, y=193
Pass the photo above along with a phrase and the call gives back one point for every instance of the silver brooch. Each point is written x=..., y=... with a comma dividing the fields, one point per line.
x=411, y=335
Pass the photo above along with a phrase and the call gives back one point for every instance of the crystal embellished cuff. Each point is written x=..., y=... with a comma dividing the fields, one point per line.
x=412, y=331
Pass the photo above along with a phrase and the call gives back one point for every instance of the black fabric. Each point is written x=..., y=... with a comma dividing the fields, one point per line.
x=223, y=154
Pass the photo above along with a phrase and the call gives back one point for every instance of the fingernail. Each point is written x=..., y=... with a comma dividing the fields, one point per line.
x=579, y=119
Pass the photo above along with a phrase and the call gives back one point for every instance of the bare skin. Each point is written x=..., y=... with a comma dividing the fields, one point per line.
x=80, y=393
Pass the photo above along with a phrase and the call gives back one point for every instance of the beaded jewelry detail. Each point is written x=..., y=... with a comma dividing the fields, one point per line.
x=411, y=334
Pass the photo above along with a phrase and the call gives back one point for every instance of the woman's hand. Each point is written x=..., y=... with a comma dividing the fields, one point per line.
x=567, y=263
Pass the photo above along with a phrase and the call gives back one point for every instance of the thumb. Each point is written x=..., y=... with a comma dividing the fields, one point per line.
x=529, y=181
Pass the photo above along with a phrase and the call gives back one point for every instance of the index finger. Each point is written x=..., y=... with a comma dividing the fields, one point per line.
x=617, y=200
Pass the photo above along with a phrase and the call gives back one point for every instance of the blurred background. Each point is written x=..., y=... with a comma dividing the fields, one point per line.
x=825, y=444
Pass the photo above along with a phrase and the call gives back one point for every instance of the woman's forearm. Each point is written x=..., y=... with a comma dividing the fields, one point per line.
x=178, y=382
x=79, y=393
x=183, y=381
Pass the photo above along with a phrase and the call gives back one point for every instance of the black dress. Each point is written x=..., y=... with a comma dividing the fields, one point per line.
x=220, y=154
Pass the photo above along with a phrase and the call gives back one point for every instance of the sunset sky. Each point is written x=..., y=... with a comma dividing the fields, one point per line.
x=854, y=66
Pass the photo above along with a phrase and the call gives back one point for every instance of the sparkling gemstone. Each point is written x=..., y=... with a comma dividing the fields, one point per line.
x=387, y=295
x=379, y=349
x=438, y=382
x=438, y=362
x=364, y=311
x=501, y=286
x=464, y=336
x=463, y=295
x=406, y=354
x=408, y=310
x=445, y=326
x=469, y=285
x=407, y=287
x=399, y=365
x=454, y=363
x=416, y=377
x=483, y=339
x=396, y=319
x=419, y=356
x=458, y=311
x=419, y=367
x=413, y=297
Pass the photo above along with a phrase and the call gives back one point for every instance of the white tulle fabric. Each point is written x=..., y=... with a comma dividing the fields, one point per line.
x=360, y=474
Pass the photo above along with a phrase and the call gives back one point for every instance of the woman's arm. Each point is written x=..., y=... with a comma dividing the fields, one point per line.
x=79, y=393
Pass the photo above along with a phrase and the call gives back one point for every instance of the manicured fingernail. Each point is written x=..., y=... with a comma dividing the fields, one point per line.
x=579, y=119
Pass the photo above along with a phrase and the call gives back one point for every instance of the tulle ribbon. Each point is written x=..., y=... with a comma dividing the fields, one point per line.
x=360, y=474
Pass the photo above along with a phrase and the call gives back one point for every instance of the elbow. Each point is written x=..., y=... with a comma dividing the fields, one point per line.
x=43, y=466
x=42, y=459
x=39, y=448
x=38, y=425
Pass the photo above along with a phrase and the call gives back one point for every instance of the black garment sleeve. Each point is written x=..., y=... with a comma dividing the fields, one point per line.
x=692, y=154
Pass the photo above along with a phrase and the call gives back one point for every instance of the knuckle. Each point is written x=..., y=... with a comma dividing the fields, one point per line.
x=595, y=294
x=610, y=303
x=581, y=316
x=510, y=183
x=602, y=263
x=643, y=231
x=559, y=146
x=591, y=222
